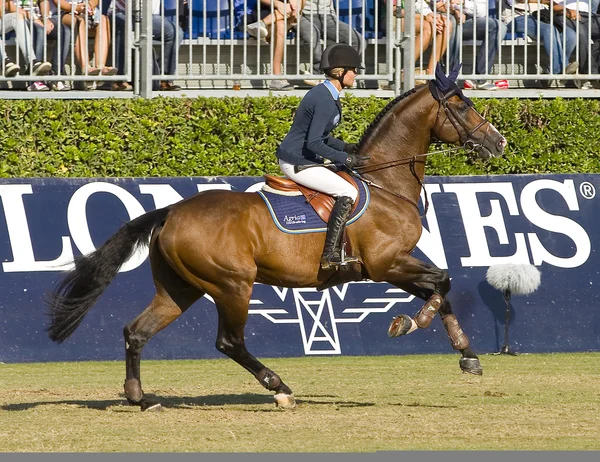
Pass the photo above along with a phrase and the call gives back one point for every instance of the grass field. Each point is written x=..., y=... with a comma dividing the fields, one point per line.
x=528, y=402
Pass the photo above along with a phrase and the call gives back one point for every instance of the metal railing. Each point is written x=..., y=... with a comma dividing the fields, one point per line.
x=221, y=46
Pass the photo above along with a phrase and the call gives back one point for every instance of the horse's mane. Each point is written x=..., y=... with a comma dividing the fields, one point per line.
x=374, y=124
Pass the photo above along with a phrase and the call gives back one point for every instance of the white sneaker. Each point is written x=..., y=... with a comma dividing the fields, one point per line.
x=10, y=69
x=280, y=85
x=258, y=30
x=583, y=84
x=40, y=68
x=60, y=86
x=38, y=86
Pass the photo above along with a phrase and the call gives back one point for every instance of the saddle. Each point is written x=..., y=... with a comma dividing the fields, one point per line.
x=321, y=202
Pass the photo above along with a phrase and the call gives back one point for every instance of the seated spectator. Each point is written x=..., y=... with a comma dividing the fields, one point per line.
x=87, y=21
x=426, y=22
x=12, y=18
x=170, y=38
x=319, y=21
x=474, y=24
x=521, y=16
x=575, y=15
x=245, y=13
x=284, y=17
x=46, y=27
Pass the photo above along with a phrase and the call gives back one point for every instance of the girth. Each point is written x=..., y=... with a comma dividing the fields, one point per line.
x=321, y=202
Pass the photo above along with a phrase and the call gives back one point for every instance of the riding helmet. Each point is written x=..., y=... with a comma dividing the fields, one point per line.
x=340, y=55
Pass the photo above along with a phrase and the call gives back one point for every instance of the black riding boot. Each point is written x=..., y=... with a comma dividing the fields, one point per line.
x=332, y=253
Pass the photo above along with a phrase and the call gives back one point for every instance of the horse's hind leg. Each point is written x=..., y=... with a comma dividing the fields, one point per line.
x=173, y=297
x=233, y=314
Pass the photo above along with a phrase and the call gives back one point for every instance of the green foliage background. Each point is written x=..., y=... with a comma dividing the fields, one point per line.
x=238, y=136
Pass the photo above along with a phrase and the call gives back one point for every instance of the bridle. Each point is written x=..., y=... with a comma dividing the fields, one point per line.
x=465, y=136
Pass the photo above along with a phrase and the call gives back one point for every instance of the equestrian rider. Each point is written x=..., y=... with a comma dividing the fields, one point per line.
x=308, y=143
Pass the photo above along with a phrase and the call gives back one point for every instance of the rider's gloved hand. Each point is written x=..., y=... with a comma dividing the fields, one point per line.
x=354, y=161
x=350, y=148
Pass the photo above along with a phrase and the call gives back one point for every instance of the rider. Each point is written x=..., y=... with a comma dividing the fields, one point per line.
x=308, y=144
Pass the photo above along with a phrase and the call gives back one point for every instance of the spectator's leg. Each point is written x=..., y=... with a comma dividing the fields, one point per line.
x=16, y=22
x=81, y=48
x=169, y=42
x=441, y=43
x=65, y=42
x=310, y=34
x=551, y=41
x=423, y=35
x=118, y=23
x=340, y=32
x=278, y=44
x=102, y=42
x=594, y=25
x=38, y=37
x=582, y=38
x=453, y=51
x=570, y=43
x=468, y=30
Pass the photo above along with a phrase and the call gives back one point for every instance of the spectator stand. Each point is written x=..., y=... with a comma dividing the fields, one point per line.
x=215, y=55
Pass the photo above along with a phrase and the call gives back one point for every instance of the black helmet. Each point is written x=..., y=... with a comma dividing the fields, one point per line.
x=340, y=55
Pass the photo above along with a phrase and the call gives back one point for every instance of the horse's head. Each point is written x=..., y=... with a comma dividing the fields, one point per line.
x=458, y=122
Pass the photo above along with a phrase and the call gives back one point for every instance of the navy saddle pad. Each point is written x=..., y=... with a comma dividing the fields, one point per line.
x=292, y=214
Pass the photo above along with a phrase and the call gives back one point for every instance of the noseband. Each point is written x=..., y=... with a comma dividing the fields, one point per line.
x=465, y=135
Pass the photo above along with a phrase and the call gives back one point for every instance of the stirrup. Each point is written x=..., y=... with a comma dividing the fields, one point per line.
x=331, y=262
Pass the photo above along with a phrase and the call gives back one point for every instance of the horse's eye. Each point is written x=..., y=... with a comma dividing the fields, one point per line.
x=464, y=107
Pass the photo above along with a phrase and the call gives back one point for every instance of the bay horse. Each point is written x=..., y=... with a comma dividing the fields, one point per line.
x=221, y=242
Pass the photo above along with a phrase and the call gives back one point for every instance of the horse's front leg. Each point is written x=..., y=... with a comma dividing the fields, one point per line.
x=431, y=284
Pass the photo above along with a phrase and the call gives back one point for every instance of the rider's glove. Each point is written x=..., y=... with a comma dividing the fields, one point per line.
x=350, y=148
x=353, y=160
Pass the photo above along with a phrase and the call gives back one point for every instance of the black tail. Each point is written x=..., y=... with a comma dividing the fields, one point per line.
x=78, y=291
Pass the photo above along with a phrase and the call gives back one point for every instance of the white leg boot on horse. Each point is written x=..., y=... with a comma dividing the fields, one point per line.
x=332, y=252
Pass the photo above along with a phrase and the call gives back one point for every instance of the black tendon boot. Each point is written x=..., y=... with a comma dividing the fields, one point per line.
x=332, y=253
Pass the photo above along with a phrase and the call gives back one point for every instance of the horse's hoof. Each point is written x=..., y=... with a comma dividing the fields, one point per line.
x=470, y=366
x=401, y=325
x=285, y=401
x=150, y=406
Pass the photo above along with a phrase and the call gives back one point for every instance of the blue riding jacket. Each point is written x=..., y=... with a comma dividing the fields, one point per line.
x=308, y=141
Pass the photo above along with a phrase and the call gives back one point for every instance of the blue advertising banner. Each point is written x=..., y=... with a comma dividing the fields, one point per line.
x=549, y=221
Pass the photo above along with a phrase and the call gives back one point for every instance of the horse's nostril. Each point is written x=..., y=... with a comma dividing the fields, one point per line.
x=502, y=143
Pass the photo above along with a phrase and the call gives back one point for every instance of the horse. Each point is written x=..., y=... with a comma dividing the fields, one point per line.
x=221, y=242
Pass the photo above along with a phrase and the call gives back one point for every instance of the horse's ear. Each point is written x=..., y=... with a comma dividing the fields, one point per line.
x=439, y=73
x=454, y=73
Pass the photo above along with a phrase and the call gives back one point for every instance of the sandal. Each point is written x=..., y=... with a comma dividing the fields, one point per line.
x=121, y=86
x=109, y=70
x=93, y=71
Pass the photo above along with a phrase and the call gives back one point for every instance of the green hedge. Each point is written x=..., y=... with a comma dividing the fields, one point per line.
x=238, y=136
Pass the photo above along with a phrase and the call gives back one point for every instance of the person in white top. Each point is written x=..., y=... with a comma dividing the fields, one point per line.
x=575, y=14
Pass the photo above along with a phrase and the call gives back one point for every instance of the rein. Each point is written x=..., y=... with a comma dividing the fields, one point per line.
x=463, y=133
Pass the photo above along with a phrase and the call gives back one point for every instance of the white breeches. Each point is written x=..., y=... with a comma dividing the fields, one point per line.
x=320, y=179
